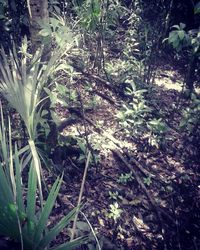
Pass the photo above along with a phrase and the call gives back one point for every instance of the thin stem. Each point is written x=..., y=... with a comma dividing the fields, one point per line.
x=91, y=228
x=81, y=194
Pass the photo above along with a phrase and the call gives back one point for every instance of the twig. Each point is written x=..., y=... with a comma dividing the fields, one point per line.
x=74, y=165
x=80, y=194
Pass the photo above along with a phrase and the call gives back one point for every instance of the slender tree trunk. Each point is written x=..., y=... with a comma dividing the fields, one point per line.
x=38, y=11
x=15, y=17
x=190, y=78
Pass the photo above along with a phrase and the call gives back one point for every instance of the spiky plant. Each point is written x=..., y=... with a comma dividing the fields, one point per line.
x=20, y=220
x=21, y=83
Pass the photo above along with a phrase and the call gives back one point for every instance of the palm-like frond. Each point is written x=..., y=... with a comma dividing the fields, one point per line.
x=20, y=220
x=21, y=83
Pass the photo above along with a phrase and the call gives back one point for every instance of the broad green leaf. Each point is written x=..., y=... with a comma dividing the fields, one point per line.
x=182, y=26
x=181, y=34
x=173, y=36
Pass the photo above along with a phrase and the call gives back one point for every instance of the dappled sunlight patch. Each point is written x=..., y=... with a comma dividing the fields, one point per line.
x=169, y=79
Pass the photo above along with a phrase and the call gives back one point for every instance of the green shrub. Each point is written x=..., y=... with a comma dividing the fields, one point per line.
x=190, y=121
x=158, y=131
x=133, y=115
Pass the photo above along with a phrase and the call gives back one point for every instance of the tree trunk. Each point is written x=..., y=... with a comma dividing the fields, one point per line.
x=190, y=78
x=38, y=11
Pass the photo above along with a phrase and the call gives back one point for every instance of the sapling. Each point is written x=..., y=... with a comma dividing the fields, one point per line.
x=114, y=214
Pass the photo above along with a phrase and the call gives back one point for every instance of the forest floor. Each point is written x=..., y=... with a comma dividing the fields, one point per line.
x=154, y=191
x=159, y=204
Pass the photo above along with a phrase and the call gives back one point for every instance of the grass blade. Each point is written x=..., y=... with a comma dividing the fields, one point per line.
x=58, y=228
x=47, y=210
x=31, y=197
x=18, y=176
x=72, y=244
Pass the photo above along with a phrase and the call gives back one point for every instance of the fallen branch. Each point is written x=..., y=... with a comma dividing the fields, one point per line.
x=136, y=176
x=143, y=170
x=113, y=139
x=140, y=182
x=67, y=122
x=107, y=98
x=107, y=84
x=104, y=133
x=75, y=64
